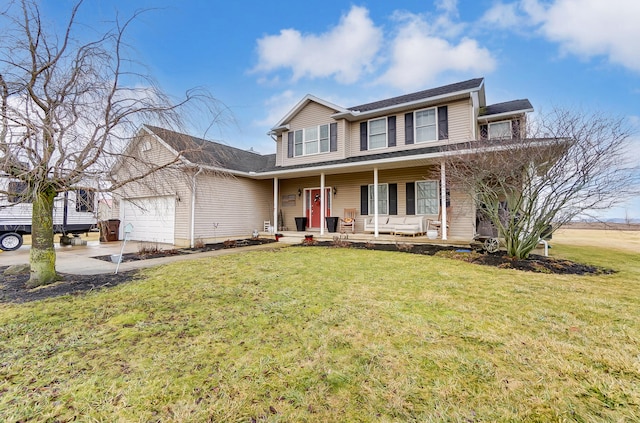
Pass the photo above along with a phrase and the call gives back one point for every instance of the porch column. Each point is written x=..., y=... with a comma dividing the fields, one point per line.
x=375, y=203
x=443, y=201
x=275, y=205
x=322, y=204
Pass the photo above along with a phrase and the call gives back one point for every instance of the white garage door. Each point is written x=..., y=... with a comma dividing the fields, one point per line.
x=153, y=219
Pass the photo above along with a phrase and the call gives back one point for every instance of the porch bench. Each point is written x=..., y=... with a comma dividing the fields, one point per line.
x=401, y=225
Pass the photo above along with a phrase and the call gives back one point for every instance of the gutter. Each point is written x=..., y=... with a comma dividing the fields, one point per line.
x=193, y=207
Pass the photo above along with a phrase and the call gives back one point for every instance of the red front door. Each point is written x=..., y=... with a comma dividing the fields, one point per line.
x=313, y=206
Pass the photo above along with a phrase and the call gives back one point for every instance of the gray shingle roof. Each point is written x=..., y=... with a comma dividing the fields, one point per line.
x=506, y=107
x=210, y=153
x=420, y=95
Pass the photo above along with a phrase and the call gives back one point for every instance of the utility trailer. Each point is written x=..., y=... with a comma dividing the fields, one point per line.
x=74, y=212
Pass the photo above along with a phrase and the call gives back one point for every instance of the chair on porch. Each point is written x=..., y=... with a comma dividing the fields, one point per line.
x=348, y=221
x=437, y=224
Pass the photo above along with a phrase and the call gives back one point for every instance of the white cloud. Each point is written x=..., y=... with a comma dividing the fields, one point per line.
x=344, y=52
x=277, y=107
x=585, y=28
x=419, y=54
x=503, y=16
x=596, y=27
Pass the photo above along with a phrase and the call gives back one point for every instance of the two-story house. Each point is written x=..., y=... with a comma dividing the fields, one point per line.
x=384, y=160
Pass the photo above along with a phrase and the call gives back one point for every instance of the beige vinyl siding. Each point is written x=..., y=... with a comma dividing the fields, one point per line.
x=313, y=114
x=461, y=223
x=459, y=125
x=281, y=150
x=238, y=205
x=161, y=183
x=459, y=131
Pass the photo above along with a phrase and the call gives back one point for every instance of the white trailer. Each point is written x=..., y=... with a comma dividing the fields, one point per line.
x=74, y=212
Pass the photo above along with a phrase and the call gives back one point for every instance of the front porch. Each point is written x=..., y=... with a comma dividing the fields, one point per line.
x=297, y=237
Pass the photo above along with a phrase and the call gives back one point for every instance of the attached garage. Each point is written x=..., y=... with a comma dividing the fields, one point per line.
x=153, y=218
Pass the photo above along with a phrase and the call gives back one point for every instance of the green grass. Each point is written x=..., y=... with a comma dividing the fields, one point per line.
x=315, y=334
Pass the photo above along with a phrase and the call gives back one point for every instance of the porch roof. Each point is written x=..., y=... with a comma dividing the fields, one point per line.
x=417, y=156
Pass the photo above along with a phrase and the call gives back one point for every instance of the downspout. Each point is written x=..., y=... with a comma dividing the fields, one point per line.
x=376, y=232
x=275, y=204
x=322, y=204
x=193, y=208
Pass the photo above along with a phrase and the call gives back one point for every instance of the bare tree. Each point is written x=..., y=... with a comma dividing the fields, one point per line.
x=565, y=164
x=67, y=110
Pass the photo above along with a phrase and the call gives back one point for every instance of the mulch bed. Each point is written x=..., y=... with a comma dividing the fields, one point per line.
x=150, y=252
x=534, y=263
x=12, y=288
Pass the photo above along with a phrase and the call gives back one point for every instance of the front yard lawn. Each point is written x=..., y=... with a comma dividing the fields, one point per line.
x=318, y=334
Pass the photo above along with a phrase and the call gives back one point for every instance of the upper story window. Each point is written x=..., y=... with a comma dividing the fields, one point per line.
x=426, y=125
x=312, y=140
x=500, y=130
x=377, y=133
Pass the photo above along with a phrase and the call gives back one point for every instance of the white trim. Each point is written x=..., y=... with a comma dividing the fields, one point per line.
x=443, y=201
x=416, y=196
x=509, y=121
x=386, y=133
x=513, y=113
x=300, y=105
x=415, y=125
x=362, y=115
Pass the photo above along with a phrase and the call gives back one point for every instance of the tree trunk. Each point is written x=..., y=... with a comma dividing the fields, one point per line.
x=43, y=255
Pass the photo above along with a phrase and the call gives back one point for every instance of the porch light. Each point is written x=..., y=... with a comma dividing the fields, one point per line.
x=335, y=191
x=299, y=192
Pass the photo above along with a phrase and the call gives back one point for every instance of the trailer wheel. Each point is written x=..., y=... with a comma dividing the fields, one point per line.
x=491, y=245
x=10, y=241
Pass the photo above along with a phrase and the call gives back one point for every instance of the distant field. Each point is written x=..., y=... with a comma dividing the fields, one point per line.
x=627, y=240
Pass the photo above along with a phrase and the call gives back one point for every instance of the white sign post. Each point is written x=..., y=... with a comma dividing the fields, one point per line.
x=128, y=228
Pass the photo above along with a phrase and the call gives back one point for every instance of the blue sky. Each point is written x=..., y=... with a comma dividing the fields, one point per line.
x=260, y=57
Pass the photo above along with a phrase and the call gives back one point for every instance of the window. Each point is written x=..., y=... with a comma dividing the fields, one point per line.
x=427, y=197
x=426, y=128
x=84, y=200
x=377, y=133
x=383, y=199
x=311, y=140
x=500, y=130
x=298, y=142
x=17, y=189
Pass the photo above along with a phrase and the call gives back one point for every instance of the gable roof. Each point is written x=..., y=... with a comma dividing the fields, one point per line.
x=445, y=90
x=213, y=154
x=506, y=108
x=281, y=125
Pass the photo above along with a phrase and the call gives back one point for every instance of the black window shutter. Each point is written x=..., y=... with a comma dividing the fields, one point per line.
x=333, y=137
x=443, y=123
x=515, y=129
x=408, y=128
x=363, y=136
x=364, y=200
x=393, y=199
x=391, y=128
x=290, y=144
x=411, y=198
x=484, y=132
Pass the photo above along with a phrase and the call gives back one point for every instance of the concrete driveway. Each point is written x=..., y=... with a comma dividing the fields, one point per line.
x=78, y=259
